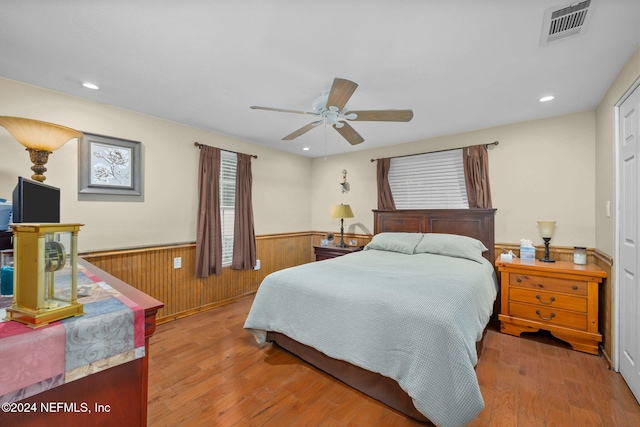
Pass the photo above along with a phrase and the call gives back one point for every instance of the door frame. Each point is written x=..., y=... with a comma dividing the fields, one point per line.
x=615, y=318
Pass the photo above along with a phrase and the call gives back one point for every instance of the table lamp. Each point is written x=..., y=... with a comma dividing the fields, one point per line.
x=342, y=211
x=546, y=231
x=40, y=138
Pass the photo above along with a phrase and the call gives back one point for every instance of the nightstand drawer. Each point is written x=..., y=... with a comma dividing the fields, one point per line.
x=551, y=316
x=549, y=300
x=552, y=284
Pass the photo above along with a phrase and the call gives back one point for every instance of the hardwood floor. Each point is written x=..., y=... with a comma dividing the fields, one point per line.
x=207, y=370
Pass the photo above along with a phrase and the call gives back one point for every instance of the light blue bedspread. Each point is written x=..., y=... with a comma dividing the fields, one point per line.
x=413, y=318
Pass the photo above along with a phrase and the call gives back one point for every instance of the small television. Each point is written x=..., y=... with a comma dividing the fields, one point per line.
x=35, y=202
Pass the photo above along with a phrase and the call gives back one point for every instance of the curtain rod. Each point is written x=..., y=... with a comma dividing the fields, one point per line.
x=197, y=144
x=440, y=151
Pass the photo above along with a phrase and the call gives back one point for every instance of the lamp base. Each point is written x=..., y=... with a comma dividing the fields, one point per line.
x=39, y=158
x=342, y=244
x=546, y=251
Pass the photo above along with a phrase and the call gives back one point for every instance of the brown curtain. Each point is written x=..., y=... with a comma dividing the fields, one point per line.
x=476, y=175
x=385, y=198
x=209, y=235
x=244, y=237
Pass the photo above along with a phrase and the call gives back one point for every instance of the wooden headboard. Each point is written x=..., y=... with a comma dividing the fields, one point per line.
x=476, y=223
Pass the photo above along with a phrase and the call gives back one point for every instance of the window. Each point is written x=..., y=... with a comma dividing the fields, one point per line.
x=228, y=164
x=429, y=181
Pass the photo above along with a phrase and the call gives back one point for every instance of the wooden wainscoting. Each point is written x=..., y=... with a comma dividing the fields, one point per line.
x=605, y=295
x=150, y=269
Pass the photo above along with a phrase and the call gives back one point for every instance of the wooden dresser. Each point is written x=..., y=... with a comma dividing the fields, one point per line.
x=333, y=251
x=559, y=297
x=120, y=393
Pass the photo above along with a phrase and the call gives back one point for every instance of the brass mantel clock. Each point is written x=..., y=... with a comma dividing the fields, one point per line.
x=45, y=273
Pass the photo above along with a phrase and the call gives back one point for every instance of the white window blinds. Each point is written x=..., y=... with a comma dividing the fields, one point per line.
x=228, y=164
x=429, y=181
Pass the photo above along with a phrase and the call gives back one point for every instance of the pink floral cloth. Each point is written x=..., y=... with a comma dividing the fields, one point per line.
x=111, y=332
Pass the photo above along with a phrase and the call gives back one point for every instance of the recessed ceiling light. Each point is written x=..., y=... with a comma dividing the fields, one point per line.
x=90, y=85
x=546, y=98
x=306, y=148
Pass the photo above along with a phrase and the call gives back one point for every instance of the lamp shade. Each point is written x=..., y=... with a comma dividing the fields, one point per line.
x=546, y=228
x=38, y=135
x=341, y=211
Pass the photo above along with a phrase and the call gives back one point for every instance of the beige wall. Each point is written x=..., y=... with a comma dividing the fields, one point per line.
x=168, y=212
x=542, y=170
x=605, y=153
x=559, y=168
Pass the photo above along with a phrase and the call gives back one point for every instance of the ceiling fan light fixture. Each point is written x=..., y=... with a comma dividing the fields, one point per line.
x=320, y=103
x=331, y=107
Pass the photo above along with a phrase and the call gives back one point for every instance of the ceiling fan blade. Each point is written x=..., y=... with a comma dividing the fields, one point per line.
x=340, y=93
x=382, y=115
x=349, y=133
x=302, y=130
x=280, y=110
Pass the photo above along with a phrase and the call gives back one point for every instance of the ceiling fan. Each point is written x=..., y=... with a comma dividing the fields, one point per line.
x=330, y=109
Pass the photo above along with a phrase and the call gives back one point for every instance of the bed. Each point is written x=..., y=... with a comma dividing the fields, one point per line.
x=402, y=320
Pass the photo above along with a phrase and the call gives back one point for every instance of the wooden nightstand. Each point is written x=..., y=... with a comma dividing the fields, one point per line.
x=559, y=297
x=333, y=251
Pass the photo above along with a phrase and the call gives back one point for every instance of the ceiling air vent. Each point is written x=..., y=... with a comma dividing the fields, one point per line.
x=565, y=21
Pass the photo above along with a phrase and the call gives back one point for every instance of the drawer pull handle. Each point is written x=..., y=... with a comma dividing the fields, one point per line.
x=552, y=299
x=574, y=287
x=518, y=280
x=545, y=318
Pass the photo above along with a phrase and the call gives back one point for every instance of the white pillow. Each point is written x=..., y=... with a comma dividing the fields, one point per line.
x=395, y=242
x=451, y=245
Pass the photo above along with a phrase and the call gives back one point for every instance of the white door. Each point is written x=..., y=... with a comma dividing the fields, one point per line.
x=628, y=239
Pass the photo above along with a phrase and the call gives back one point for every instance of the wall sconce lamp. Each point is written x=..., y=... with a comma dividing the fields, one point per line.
x=342, y=211
x=40, y=138
x=344, y=185
x=546, y=231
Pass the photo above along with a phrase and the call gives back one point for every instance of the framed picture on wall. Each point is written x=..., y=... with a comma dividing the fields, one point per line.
x=108, y=165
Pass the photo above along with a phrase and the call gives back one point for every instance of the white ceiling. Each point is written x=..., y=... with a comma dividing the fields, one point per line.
x=460, y=65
